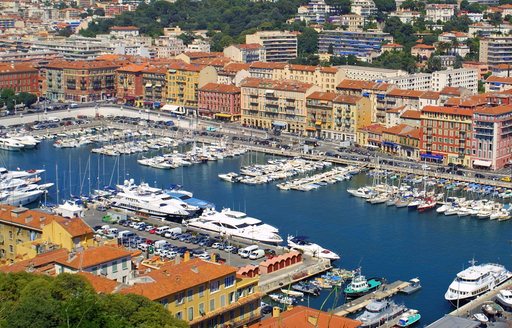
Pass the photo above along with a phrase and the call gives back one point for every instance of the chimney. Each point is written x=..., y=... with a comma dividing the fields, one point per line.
x=194, y=269
x=177, y=260
x=42, y=218
x=186, y=256
x=276, y=311
x=313, y=320
x=28, y=219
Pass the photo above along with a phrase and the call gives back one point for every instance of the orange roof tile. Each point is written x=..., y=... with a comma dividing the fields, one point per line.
x=100, y=284
x=236, y=67
x=347, y=99
x=40, y=261
x=133, y=68
x=447, y=110
x=360, y=85
x=172, y=278
x=452, y=91
x=94, y=256
x=411, y=114
x=395, y=110
x=498, y=110
x=405, y=93
x=403, y=130
x=285, y=85
x=392, y=45
x=304, y=317
x=494, y=78
x=124, y=28
x=424, y=46
x=375, y=128
x=328, y=69
x=76, y=227
x=319, y=95
x=265, y=65
x=16, y=68
x=201, y=54
x=212, y=61
x=249, y=46
x=81, y=64
x=307, y=68
x=220, y=88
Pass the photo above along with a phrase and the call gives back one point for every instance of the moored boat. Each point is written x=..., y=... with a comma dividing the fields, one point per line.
x=409, y=318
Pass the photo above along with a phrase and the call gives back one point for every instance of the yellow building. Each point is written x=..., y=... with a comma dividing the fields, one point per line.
x=203, y=293
x=25, y=233
x=402, y=140
x=271, y=104
x=184, y=80
x=336, y=116
x=327, y=78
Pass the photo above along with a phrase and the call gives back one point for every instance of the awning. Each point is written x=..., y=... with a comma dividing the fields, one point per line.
x=478, y=162
x=148, y=85
x=432, y=156
x=371, y=146
x=389, y=144
x=318, y=122
x=310, y=129
x=223, y=115
x=279, y=123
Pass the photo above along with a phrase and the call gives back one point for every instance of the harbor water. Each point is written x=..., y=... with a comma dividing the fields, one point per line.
x=396, y=244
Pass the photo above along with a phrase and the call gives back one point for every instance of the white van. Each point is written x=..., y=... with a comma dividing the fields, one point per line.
x=126, y=234
x=161, y=230
x=160, y=243
x=257, y=254
x=245, y=252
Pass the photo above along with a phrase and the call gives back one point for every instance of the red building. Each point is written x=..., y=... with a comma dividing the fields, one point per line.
x=446, y=134
x=219, y=101
x=129, y=87
x=19, y=77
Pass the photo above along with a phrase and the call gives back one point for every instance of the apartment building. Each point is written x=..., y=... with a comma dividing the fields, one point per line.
x=376, y=74
x=492, y=137
x=459, y=78
x=280, y=46
x=80, y=81
x=275, y=104
x=261, y=70
x=205, y=294
x=155, y=85
x=233, y=73
x=352, y=22
x=365, y=45
x=406, y=16
x=25, y=233
x=327, y=78
x=75, y=48
x=123, y=32
x=219, y=101
x=446, y=135
x=498, y=83
x=169, y=46
x=439, y=12
x=246, y=53
x=129, y=85
x=411, y=99
x=336, y=117
x=496, y=50
x=19, y=77
x=417, y=81
x=365, y=8
x=184, y=81
x=402, y=140
x=114, y=263
x=314, y=12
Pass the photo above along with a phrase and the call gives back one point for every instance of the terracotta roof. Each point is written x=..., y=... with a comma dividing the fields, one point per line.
x=392, y=45
x=375, y=128
x=306, y=68
x=447, y=110
x=319, y=95
x=220, y=88
x=201, y=54
x=498, y=110
x=236, y=67
x=16, y=68
x=395, y=110
x=423, y=46
x=360, y=85
x=124, y=28
x=76, y=227
x=40, y=261
x=99, y=283
x=81, y=64
x=347, y=99
x=452, y=91
x=249, y=46
x=182, y=66
x=304, y=317
x=471, y=102
x=94, y=256
x=328, y=69
x=265, y=65
x=499, y=79
x=403, y=130
x=31, y=219
x=405, y=93
x=172, y=278
x=133, y=68
x=212, y=61
x=411, y=114
x=285, y=85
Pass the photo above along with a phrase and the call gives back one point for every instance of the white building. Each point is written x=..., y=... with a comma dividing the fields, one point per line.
x=418, y=81
x=460, y=77
x=364, y=8
x=113, y=263
x=439, y=12
x=199, y=45
x=280, y=46
x=369, y=73
x=406, y=16
x=168, y=46
x=122, y=32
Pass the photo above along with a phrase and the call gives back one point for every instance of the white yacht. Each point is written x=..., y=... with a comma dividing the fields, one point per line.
x=150, y=201
x=10, y=144
x=301, y=243
x=19, y=174
x=20, y=197
x=504, y=297
x=474, y=281
x=237, y=224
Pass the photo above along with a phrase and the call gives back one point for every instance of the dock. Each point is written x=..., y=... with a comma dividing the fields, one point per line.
x=358, y=304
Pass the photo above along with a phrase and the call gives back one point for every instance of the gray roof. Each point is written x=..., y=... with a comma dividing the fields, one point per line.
x=449, y=321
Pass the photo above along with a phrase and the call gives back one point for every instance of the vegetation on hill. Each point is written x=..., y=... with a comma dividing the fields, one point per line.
x=68, y=300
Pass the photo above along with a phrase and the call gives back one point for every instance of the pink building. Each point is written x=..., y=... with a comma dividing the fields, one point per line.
x=492, y=137
x=219, y=101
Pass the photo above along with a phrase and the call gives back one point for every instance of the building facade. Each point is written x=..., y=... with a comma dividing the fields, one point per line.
x=20, y=78
x=245, y=53
x=363, y=45
x=184, y=81
x=280, y=46
x=496, y=50
x=219, y=101
x=459, y=78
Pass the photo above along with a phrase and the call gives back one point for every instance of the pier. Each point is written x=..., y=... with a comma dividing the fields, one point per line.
x=358, y=304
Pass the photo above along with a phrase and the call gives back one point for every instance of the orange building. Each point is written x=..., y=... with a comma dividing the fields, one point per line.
x=19, y=77
x=129, y=87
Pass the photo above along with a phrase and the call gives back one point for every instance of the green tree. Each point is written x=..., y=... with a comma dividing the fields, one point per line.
x=434, y=64
x=308, y=41
x=396, y=60
x=187, y=38
x=99, y=12
x=385, y=5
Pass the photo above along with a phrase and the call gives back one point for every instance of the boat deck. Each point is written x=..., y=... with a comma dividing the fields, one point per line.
x=358, y=304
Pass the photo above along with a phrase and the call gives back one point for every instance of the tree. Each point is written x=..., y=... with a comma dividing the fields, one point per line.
x=187, y=38
x=385, y=5
x=308, y=41
x=434, y=64
x=67, y=32
x=99, y=12
x=495, y=19
x=396, y=60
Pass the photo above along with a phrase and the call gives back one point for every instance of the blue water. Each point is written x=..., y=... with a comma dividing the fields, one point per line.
x=385, y=241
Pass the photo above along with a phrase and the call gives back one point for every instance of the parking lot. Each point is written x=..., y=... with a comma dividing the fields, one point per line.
x=172, y=244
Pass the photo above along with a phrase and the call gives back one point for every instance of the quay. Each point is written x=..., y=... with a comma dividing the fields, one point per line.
x=358, y=304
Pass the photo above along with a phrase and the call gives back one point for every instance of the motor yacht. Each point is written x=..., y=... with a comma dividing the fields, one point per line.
x=301, y=243
x=475, y=281
x=10, y=144
x=236, y=224
x=378, y=312
x=504, y=297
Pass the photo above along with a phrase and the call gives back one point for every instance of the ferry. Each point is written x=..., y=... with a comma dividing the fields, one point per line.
x=475, y=281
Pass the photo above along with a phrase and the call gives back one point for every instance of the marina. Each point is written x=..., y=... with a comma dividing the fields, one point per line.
x=329, y=216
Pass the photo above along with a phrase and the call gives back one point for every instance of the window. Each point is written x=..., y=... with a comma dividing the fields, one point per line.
x=179, y=298
x=10, y=235
x=190, y=295
x=114, y=267
x=212, y=305
x=125, y=264
x=11, y=249
x=214, y=286
x=104, y=269
x=229, y=281
x=190, y=313
x=201, y=309
x=222, y=300
x=232, y=297
x=179, y=315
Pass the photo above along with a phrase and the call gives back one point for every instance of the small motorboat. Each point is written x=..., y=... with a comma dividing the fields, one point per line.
x=414, y=285
x=409, y=318
x=481, y=317
x=491, y=309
